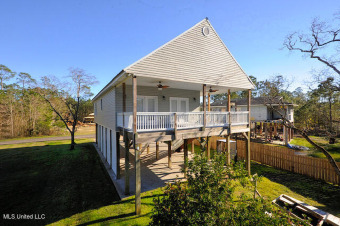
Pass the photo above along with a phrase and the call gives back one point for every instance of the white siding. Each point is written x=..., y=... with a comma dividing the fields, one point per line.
x=163, y=104
x=193, y=57
x=106, y=116
x=258, y=113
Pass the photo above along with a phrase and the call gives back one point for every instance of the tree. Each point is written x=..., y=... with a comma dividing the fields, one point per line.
x=239, y=94
x=5, y=74
x=327, y=90
x=25, y=79
x=68, y=94
x=321, y=43
x=274, y=86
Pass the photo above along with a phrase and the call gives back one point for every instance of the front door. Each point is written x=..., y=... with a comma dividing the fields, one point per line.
x=179, y=104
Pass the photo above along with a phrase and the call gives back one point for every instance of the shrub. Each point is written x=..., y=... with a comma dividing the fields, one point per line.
x=208, y=197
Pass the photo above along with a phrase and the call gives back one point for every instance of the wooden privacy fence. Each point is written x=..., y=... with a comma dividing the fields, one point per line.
x=284, y=158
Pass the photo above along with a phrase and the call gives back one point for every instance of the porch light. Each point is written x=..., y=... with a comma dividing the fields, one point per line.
x=163, y=97
x=195, y=99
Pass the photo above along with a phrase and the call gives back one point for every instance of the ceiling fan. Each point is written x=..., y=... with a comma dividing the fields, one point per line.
x=212, y=90
x=160, y=86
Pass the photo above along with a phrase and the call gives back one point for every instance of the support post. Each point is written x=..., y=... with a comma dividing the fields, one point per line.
x=148, y=149
x=261, y=128
x=292, y=131
x=185, y=156
x=118, y=154
x=134, y=91
x=228, y=109
x=138, y=181
x=248, y=140
x=169, y=155
x=175, y=125
x=208, y=101
x=275, y=129
x=127, y=164
x=124, y=104
x=204, y=106
x=193, y=146
x=227, y=143
x=271, y=131
x=157, y=150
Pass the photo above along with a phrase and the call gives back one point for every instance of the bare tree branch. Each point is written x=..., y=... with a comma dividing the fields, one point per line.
x=321, y=36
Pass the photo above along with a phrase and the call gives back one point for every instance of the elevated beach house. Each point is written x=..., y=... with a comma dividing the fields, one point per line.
x=157, y=99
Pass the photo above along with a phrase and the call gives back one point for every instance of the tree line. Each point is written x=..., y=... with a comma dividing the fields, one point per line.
x=26, y=105
x=317, y=110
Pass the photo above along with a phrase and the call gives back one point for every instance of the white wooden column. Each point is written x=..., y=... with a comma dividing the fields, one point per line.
x=228, y=136
x=204, y=106
x=248, y=139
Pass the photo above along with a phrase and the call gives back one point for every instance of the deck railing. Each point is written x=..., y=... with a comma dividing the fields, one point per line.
x=161, y=121
x=239, y=117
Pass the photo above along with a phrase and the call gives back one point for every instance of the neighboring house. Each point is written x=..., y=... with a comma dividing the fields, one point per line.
x=261, y=108
x=89, y=118
x=157, y=98
x=263, y=116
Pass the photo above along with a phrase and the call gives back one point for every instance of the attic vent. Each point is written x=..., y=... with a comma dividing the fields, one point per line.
x=205, y=31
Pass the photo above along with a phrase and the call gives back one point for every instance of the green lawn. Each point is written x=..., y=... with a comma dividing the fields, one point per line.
x=333, y=149
x=47, y=178
x=274, y=183
x=72, y=188
x=88, y=130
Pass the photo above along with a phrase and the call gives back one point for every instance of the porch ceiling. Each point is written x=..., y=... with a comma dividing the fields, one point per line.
x=152, y=82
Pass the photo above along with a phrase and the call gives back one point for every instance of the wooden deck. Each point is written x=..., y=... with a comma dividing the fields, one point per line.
x=168, y=126
x=158, y=136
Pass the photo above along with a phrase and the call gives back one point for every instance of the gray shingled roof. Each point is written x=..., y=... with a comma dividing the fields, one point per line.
x=254, y=101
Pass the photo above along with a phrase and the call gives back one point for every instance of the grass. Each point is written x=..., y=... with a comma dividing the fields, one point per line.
x=72, y=188
x=119, y=213
x=273, y=183
x=333, y=149
x=314, y=192
x=47, y=178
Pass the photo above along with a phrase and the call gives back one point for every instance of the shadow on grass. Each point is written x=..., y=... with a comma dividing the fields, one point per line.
x=108, y=218
x=320, y=191
x=54, y=181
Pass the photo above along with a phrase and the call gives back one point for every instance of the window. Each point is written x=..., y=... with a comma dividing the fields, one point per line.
x=147, y=104
x=101, y=104
x=178, y=104
x=95, y=108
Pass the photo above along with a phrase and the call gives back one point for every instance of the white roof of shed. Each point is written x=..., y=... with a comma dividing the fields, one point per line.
x=192, y=57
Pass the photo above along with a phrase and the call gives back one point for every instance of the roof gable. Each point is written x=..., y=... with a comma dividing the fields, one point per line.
x=193, y=57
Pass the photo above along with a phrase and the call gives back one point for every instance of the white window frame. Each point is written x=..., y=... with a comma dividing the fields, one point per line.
x=179, y=99
x=145, y=105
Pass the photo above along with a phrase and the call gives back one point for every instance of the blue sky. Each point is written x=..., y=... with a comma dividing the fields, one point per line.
x=104, y=36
